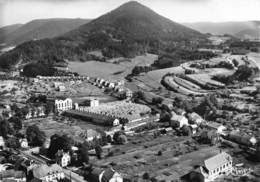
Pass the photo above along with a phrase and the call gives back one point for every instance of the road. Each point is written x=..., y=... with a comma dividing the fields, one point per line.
x=68, y=174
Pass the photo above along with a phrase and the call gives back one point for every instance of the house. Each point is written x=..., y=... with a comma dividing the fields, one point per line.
x=195, y=118
x=48, y=173
x=211, y=169
x=111, y=85
x=216, y=166
x=116, y=122
x=62, y=88
x=90, y=134
x=105, y=175
x=182, y=120
x=12, y=175
x=23, y=143
x=63, y=105
x=219, y=128
x=34, y=112
x=63, y=158
x=92, y=102
x=2, y=142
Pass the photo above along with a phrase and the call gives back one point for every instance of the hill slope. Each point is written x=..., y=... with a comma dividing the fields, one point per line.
x=129, y=30
x=239, y=29
x=4, y=31
x=42, y=28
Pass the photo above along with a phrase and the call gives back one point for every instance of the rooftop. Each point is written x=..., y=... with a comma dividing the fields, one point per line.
x=217, y=161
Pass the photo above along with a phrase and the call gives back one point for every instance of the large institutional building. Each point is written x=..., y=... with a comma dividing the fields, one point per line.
x=63, y=105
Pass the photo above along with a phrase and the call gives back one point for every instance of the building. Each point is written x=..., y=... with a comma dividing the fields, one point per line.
x=2, y=142
x=92, y=102
x=218, y=165
x=47, y=173
x=105, y=175
x=63, y=158
x=62, y=88
x=63, y=105
x=12, y=175
x=195, y=118
x=34, y=112
x=211, y=169
x=23, y=143
x=182, y=120
x=219, y=128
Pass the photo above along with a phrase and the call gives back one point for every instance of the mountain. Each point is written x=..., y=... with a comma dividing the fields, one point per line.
x=252, y=33
x=238, y=29
x=127, y=31
x=4, y=31
x=39, y=29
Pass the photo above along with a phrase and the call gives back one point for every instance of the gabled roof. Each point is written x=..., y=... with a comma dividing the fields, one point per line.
x=214, y=125
x=217, y=161
x=107, y=175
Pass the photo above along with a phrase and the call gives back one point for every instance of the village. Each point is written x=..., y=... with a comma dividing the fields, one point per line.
x=128, y=95
x=84, y=128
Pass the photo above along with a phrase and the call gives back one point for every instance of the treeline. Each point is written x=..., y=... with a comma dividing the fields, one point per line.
x=35, y=69
x=243, y=73
x=179, y=56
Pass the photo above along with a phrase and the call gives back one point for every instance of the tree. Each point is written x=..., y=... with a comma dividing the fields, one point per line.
x=35, y=136
x=5, y=128
x=59, y=143
x=17, y=123
x=165, y=117
x=185, y=130
x=174, y=124
x=119, y=137
x=122, y=139
x=157, y=100
x=83, y=152
x=98, y=150
x=235, y=62
x=12, y=143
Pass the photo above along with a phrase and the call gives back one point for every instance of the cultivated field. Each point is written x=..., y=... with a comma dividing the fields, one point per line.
x=140, y=155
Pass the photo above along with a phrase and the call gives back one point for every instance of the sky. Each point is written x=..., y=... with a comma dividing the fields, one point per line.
x=22, y=11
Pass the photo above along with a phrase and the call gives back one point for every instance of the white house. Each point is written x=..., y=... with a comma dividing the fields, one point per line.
x=62, y=88
x=23, y=143
x=63, y=105
x=108, y=175
x=116, y=122
x=219, y=128
x=63, y=158
x=2, y=142
x=182, y=120
x=195, y=118
x=48, y=173
x=216, y=166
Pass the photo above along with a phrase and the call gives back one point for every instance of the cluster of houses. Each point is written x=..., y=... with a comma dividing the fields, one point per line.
x=22, y=142
x=35, y=112
x=29, y=170
x=117, y=86
x=60, y=78
x=194, y=121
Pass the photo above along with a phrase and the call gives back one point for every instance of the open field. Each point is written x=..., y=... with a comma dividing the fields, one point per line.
x=255, y=57
x=111, y=70
x=76, y=129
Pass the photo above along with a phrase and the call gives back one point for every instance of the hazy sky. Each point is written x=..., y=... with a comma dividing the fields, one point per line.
x=22, y=11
